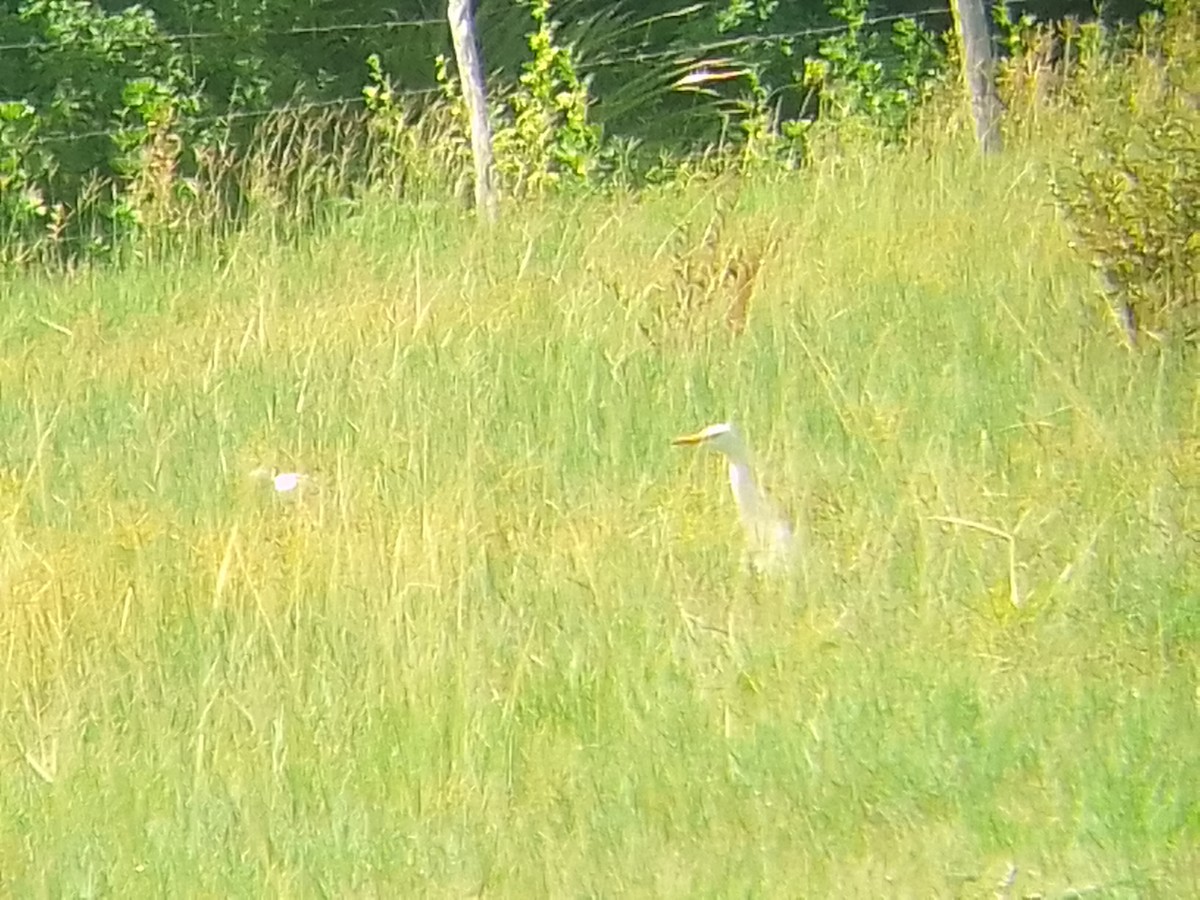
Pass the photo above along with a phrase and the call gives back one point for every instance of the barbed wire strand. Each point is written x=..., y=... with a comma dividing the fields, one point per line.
x=681, y=54
x=210, y=35
x=750, y=39
x=420, y=23
x=53, y=137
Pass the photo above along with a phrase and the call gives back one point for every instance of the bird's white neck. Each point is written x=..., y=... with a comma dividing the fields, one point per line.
x=745, y=490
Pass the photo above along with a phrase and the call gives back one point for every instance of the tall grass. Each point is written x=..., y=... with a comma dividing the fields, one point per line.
x=504, y=644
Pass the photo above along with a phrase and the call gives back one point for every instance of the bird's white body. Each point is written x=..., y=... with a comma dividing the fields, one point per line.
x=285, y=484
x=769, y=537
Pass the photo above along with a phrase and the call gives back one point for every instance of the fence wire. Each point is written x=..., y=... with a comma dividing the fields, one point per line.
x=691, y=53
x=181, y=37
x=307, y=106
x=682, y=54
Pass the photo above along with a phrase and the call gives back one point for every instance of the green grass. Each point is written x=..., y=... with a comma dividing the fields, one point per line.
x=505, y=644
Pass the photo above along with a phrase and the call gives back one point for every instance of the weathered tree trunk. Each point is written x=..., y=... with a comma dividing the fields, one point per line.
x=470, y=73
x=979, y=70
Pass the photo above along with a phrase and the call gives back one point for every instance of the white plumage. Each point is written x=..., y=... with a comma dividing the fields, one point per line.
x=770, y=542
x=285, y=484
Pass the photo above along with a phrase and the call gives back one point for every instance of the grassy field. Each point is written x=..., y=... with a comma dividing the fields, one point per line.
x=503, y=644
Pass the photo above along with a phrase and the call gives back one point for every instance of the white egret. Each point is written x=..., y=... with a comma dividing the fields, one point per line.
x=769, y=537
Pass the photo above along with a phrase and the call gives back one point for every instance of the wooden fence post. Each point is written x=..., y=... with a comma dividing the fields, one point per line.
x=470, y=73
x=979, y=70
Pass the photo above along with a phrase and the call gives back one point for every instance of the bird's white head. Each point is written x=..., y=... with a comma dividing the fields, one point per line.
x=722, y=437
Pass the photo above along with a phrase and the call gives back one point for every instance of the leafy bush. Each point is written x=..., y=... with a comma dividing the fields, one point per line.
x=541, y=133
x=88, y=152
x=23, y=164
x=1132, y=193
x=544, y=135
x=861, y=85
x=868, y=75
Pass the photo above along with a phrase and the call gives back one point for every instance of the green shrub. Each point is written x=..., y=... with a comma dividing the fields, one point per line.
x=1132, y=191
x=545, y=135
x=89, y=152
x=542, y=137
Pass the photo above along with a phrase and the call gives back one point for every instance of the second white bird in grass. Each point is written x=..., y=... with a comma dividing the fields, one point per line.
x=285, y=484
x=769, y=536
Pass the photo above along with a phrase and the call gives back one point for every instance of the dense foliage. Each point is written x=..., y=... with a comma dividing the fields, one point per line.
x=114, y=115
x=1133, y=195
x=126, y=126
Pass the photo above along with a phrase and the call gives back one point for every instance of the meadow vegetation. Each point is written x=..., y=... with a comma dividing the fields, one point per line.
x=501, y=643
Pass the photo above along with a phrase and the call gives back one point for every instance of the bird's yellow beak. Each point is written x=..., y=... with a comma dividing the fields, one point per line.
x=688, y=440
